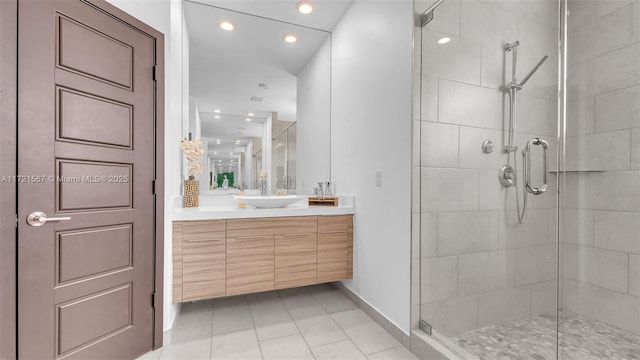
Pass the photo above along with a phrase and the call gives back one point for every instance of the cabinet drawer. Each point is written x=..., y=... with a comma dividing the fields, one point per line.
x=250, y=264
x=333, y=224
x=295, y=260
x=271, y=226
x=203, y=230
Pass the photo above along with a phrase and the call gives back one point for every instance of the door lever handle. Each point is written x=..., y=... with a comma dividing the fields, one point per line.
x=39, y=218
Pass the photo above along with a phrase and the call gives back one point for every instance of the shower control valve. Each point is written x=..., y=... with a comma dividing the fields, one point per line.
x=507, y=176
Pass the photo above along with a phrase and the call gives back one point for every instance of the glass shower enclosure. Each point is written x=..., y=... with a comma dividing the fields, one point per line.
x=526, y=212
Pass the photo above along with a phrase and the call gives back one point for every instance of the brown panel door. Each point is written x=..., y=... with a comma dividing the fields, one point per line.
x=86, y=135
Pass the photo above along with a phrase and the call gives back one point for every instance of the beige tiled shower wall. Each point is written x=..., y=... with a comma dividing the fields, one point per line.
x=478, y=266
x=602, y=219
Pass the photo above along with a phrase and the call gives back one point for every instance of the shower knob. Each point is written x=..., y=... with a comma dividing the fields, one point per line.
x=488, y=146
x=506, y=176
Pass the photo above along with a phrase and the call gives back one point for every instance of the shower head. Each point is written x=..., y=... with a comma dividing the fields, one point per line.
x=427, y=15
x=526, y=78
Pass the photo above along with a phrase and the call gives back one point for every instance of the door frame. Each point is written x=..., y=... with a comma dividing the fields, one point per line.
x=8, y=163
x=8, y=166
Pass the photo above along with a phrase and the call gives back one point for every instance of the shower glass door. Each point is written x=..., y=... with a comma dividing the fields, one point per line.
x=487, y=218
x=600, y=232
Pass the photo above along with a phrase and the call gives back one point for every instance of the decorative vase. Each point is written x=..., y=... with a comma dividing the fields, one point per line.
x=191, y=192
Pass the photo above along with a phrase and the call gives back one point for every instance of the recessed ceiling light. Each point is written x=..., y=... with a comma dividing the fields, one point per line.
x=247, y=119
x=251, y=114
x=227, y=25
x=217, y=111
x=290, y=38
x=305, y=7
x=444, y=40
x=215, y=153
x=216, y=116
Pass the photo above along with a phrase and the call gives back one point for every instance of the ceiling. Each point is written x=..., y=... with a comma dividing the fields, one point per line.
x=226, y=68
x=326, y=14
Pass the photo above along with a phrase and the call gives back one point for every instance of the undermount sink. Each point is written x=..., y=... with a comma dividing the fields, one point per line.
x=268, y=201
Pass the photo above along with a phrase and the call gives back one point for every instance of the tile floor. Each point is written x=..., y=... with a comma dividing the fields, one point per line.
x=315, y=322
x=535, y=338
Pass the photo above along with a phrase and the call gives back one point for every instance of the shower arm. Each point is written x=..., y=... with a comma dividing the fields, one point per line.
x=526, y=78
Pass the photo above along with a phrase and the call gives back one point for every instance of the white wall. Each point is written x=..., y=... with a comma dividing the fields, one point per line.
x=371, y=130
x=314, y=121
x=166, y=16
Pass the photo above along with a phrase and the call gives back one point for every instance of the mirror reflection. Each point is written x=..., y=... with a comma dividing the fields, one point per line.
x=259, y=97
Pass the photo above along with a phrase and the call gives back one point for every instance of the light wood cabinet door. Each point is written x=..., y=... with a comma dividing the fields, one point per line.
x=250, y=264
x=333, y=248
x=295, y=260
x=203, y=259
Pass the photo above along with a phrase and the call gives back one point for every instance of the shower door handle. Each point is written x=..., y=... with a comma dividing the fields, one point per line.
x=526, y=155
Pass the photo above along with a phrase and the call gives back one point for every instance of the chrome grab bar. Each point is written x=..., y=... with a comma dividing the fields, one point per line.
x=526, y=156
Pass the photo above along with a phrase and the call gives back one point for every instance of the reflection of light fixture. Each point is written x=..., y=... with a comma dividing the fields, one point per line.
x=290, y=38
x=216, y=116
x=227, y=25
x=250, y=114
x=263, y=86
x=444, y=40
x=247, y=119
x=257, y=98
x=305, y=7
x=216, y=111
x=215, y=153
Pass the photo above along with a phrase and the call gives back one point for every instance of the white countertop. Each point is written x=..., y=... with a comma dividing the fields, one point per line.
x=227, y=211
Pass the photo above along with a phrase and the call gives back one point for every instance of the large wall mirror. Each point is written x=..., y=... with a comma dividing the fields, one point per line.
x=259, y=97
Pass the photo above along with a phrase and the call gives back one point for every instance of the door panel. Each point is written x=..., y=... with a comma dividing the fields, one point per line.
x=91, y=52
x=104, y=313
x=86, y=125
x=90, y=253
x=111, y=124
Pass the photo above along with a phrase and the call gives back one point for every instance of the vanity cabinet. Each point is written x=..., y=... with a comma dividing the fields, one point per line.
x=214, y=258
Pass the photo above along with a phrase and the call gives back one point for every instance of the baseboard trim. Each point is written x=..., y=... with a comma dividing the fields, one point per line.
x=378, y=317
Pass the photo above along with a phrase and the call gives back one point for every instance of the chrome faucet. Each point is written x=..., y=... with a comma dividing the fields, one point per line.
x=264, y=187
